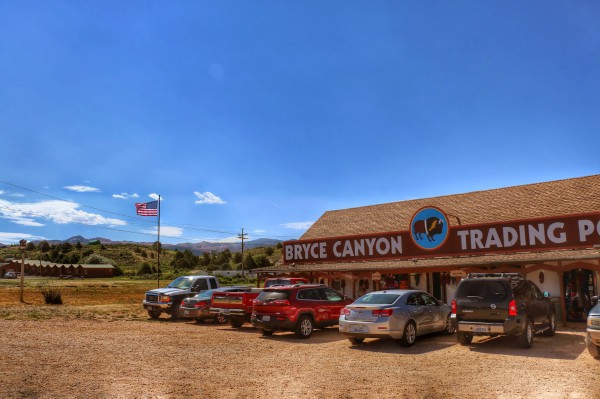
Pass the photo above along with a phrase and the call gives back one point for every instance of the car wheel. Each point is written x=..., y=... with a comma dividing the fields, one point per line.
x=356, y=340
x=236, y=322
x=199, y=320
x=304, y=327
x=593, y=349
x=525, y=340
x=153, y=314
x=464, y=338
x=175, y=312
x=266, y=332
x=449, y=329
x=220, y=319
x=551, y=326
x=410, y=334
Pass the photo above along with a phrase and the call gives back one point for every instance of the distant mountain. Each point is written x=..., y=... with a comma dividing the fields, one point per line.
x=197, y=248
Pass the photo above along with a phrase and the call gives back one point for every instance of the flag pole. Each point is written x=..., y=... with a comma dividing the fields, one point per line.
x=158, y=248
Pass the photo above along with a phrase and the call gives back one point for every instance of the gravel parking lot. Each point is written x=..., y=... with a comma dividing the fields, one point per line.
x=57, y=358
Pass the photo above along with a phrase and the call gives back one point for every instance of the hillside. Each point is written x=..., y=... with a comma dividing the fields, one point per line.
x=141, y=258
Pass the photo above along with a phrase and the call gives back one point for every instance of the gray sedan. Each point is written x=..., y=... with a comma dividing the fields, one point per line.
x=399, y=314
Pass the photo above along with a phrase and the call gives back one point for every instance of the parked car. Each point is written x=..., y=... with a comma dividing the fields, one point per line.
x=402, y=315
x=10, y=275
x=298, y=308
x=285, y=281
x=236, y=306
x=501, y=304
x=168, y=299
x=197, y=307
x=592, y=337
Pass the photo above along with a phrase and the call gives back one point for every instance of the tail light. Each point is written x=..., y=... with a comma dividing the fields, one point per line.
x=512, y=308
x=383, y=312
x=200, y=304
x=344, y=312
x=454, y=306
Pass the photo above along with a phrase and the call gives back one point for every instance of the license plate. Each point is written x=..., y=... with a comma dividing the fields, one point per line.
x=480, y=329
x=266, y=318
x=224, y=311
x=186, y=312
x=357, y=328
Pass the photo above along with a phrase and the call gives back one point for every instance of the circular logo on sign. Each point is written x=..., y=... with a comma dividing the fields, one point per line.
x=429, y=228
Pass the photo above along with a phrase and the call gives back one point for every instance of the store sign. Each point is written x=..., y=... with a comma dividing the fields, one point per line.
x=431, y=235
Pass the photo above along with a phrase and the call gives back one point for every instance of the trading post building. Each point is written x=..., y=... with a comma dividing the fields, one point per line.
x=550, y=232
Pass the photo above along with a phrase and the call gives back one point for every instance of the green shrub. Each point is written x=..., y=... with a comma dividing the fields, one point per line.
x=52, y=295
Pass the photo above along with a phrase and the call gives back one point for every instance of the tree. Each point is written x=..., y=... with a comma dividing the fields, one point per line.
x=249, y=263
x=66, y=247
x=30, y=246
x=78, y=245
x=237, y=257
x=262, y=261
x=279, y=245
x=269, y=251
x=43, y=246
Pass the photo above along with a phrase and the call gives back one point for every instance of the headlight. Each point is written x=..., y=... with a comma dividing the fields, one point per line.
x=165, y=298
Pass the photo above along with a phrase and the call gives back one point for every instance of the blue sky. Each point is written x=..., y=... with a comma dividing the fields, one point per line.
x=262, y=115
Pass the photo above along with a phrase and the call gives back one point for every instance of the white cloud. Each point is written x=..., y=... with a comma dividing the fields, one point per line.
x=13, y=238
x=155, y=196
x=166, y=231
x=125, y=196
x=226, y=240
x=82, y=189
x=1, y=192
x=207, y=198
x=298, y=225
x=259, y=231
x=61, y=212
x=18, y=195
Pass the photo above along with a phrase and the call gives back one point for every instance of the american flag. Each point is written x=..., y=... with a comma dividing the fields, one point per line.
x=147, y=208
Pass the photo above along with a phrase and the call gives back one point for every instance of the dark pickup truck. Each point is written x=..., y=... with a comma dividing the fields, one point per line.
x=237, y=306
x=168, y=299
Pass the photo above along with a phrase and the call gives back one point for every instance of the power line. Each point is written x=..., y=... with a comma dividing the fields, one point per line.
x=133, y=220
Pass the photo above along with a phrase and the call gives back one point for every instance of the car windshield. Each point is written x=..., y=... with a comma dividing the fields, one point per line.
x=280, y=281
x=205, y=294
x=181, y=282
x=270, y=296
x=482, y=290
x=377, y=299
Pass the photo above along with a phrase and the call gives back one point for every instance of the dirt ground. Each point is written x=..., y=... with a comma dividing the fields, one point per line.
x=64, y=357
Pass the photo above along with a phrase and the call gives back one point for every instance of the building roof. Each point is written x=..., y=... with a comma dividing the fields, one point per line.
x=560, y=197
x=555, y=198
x=35, y=262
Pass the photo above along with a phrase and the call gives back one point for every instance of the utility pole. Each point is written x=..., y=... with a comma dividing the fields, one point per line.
x=242, y=237
x=22, y=247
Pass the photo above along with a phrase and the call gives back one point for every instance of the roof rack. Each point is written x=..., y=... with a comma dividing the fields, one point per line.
x=516, y=280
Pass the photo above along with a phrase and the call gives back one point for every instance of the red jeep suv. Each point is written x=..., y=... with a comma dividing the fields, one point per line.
x=298, y=308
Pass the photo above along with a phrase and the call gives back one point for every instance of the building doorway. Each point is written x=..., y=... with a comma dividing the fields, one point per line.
x=580, y=287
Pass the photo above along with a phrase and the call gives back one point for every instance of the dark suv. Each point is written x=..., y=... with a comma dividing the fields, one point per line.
x=501, y=304
x=298, y=308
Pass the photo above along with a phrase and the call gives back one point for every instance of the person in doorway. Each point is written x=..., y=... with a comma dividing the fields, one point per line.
x=362, y=290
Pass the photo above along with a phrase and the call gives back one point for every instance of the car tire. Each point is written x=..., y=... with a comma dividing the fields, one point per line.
x=236, y=322
x=153, y=314
x=464, y=338
x=449, y=328
x=199, y=320
x=266, y=333
x=593, y=349
x=552, y=326
x=525, y=339
x=175, y=312
x=304, y=327
x=356, y=340
x=410, y=334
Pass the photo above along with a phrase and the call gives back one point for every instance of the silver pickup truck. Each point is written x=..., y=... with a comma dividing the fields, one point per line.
x=168, y=299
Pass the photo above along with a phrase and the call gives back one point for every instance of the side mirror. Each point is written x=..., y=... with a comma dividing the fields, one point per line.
x=594, y=300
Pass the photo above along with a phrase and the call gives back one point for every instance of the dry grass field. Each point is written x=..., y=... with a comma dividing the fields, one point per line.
x=101, y=344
